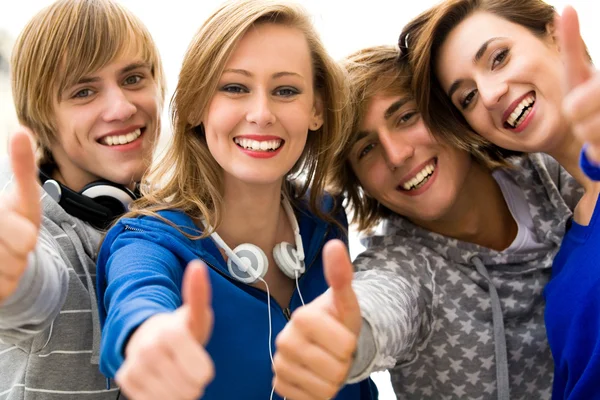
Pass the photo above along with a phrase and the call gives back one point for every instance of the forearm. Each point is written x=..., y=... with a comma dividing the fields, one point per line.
x=39, y=297
x=392, y=316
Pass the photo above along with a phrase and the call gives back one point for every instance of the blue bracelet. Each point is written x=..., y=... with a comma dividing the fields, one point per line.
x=591, y=169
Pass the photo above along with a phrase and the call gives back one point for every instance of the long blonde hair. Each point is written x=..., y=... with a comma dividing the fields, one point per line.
x=64, y=42
x=189, y=177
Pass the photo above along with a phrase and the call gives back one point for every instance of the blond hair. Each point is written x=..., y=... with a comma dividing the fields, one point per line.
x=62, y=43
x=190, y=178
x=370, y=72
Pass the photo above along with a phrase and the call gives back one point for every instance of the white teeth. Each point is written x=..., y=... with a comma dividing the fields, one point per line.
x=121, y=139
x=420, y=178
x=513, y=119
x=263, y=145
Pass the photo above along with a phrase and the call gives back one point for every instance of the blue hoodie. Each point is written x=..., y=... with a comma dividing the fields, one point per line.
x=139, y=274
x=573, y=307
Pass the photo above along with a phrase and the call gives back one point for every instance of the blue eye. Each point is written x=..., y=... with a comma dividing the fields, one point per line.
x=83, y=93
x=234, y=89
x=133, y=79
x=287, y=91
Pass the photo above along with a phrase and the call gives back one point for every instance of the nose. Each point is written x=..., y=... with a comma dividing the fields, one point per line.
x=396, y=149
x=260, y=110
x=118, y=106
x=491, y=92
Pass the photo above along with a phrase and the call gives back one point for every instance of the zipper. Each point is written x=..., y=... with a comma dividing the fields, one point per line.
x=287, y=312
x=129, y=228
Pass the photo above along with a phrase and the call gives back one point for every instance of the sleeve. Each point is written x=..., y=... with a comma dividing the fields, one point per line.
x=589, y=168
x=40, y=295
x=138, y=277
x=396, y=310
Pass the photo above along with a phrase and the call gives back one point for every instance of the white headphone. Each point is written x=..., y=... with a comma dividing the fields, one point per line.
x=248, y=263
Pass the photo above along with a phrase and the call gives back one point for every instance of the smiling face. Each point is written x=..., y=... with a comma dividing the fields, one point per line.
x=258, y=120
x=401, y=165
x=107, y=124
x=505, y=81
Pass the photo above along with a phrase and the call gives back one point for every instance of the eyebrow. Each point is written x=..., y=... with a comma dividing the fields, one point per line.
x=483, y=49
x=478, y=55
x=124, y=70
x=249, y=74
x=360, y=136
x=391, y=110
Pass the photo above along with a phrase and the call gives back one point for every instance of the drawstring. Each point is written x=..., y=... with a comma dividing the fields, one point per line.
x=502, y=385
x=85, y=264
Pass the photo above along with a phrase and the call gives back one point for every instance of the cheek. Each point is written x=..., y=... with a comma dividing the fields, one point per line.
x=295, y=119
x=480, y=120
x=221, y=120
x=372, y=178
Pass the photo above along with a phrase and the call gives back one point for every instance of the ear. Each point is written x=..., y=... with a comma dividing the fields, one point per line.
x=552, y=32
x=316, y=119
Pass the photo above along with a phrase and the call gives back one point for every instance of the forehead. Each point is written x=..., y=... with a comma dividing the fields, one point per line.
x=75, y=67
x=376, y=108
x=272, y=47
x=474, y=30
x=456, y=54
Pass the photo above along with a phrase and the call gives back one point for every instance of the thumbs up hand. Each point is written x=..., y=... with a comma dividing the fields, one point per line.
x=581, y=104
x=315, y=349
x=165, y=357
x=21, y=214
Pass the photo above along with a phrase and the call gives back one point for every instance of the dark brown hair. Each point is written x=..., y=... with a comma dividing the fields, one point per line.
x=420, y=42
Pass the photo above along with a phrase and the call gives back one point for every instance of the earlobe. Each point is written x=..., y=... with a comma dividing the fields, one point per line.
x=316, y=123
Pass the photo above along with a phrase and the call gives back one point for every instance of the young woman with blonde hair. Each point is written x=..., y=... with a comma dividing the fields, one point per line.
x=257, y=120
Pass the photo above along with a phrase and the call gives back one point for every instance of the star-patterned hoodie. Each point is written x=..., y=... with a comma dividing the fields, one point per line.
x=432, y=317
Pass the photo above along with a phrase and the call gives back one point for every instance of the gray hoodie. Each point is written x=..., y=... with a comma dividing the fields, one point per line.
x=49, y=328
x=454, y=320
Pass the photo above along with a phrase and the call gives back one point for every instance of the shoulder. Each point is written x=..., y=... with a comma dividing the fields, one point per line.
x=159, y=228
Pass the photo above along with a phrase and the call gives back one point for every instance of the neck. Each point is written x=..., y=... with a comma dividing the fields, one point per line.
x=251, y=214
x=479, y=215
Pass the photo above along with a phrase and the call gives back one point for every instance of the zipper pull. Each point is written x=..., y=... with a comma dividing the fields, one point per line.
x=287, y=313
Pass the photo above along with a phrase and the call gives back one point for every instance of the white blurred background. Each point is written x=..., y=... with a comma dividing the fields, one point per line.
x=345, y=26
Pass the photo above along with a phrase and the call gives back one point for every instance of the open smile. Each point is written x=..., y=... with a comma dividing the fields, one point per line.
x=518, y=112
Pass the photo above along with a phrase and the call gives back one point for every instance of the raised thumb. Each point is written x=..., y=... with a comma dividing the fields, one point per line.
x=197, y=299
x=339, y=273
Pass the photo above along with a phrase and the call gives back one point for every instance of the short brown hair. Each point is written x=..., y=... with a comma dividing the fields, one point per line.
x=64, y=42
x=420, y=42
x=370, y=71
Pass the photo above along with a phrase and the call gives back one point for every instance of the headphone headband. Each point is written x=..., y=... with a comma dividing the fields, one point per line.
x=99, y=203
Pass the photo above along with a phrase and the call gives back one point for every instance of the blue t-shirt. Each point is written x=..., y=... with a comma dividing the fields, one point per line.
x=573, y=307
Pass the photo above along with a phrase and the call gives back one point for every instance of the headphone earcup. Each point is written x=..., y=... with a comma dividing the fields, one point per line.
x=255, y=260
x=286, y=258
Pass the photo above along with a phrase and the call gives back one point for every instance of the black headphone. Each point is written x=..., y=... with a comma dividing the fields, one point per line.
x=98, y=203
